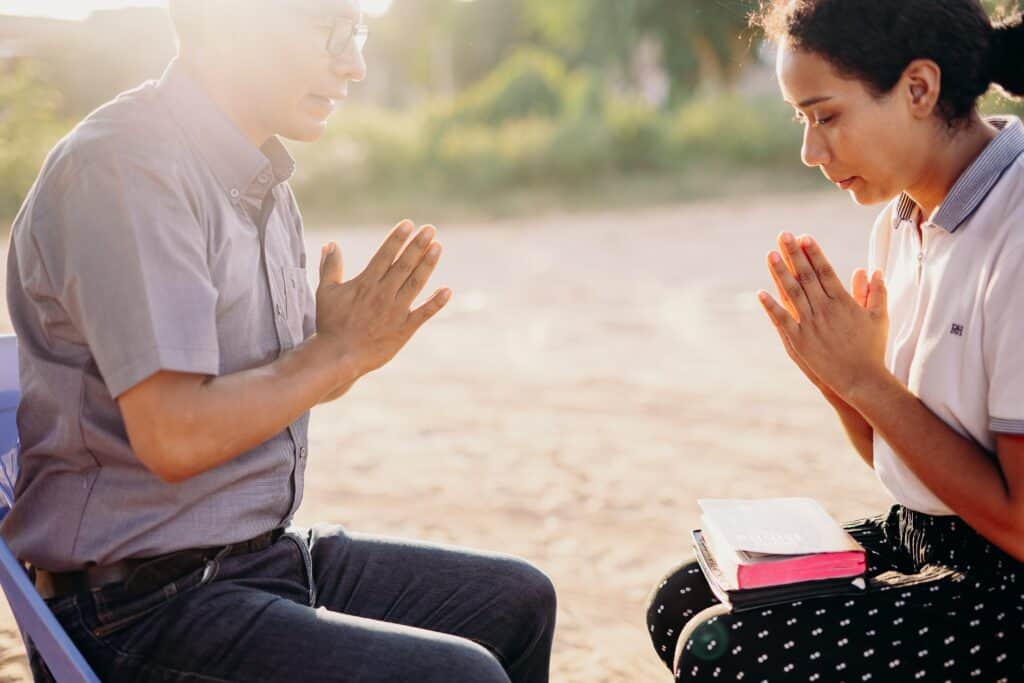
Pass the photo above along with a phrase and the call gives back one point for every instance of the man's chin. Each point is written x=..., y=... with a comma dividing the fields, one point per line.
x=309, y=130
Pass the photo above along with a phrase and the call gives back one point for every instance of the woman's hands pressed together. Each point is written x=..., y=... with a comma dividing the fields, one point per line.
x=837, y=338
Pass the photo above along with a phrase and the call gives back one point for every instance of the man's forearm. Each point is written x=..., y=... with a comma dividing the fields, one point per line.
x=217, y=419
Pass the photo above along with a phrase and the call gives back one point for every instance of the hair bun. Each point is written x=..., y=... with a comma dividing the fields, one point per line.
x=1006, y=54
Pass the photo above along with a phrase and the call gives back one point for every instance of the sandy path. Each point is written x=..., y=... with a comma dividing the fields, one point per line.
x=594, y=375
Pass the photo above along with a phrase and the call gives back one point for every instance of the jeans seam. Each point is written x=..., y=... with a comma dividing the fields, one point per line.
x=106, y=629
x=307, y=561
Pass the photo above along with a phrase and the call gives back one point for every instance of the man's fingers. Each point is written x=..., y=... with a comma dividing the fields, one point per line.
x=414, y=284
x=331, y=267
x=410, y=258
x=827, y=277
x=388, y=252
x=789, y=288
x=429, y=309
x=877, y=296
x=782, y=320
x=859, y=286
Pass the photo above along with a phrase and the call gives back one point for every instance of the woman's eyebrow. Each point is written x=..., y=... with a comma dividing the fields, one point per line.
x=811, y=101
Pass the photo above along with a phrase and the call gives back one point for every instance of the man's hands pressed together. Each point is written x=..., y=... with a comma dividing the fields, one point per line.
x=176, y=421
x=368, y=320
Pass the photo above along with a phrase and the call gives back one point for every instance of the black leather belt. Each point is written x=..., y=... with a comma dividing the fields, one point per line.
x=54, y=584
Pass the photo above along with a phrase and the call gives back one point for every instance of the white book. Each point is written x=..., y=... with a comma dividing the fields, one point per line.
x=764, y=527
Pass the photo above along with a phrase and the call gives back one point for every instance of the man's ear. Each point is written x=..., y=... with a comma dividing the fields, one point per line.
x=920, y=86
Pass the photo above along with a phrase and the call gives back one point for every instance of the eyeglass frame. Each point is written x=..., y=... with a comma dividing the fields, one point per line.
x=358, y=35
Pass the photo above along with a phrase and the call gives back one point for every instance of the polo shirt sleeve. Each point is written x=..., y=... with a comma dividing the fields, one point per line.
x=1004, y=342
x=128, y=259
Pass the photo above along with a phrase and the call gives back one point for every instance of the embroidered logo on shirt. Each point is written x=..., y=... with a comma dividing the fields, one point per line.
x=957, y=329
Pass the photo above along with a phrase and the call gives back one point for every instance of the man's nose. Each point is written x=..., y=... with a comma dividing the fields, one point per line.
x=350, y=66
x=814, y=151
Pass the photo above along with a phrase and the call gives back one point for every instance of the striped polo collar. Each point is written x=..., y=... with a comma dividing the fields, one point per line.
x=976, y=182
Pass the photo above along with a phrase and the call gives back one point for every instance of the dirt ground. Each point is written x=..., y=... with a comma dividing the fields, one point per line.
x=592, y=377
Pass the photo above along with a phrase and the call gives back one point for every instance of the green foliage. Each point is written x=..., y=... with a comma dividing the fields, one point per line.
x=533, y=124
x=738, y=131
x=698, y=40
x=29, y=127
x=529, y=83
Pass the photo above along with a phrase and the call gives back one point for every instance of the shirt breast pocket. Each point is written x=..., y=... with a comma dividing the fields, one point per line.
x=298, y=299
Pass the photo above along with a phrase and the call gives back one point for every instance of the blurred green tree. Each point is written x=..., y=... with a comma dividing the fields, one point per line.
x=29, y=126
x=699, y=40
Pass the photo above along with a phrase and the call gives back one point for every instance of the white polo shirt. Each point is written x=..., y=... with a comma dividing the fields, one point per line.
x=956, y=306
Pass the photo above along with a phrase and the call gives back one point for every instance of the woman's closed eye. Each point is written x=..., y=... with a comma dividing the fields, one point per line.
x=800, y=118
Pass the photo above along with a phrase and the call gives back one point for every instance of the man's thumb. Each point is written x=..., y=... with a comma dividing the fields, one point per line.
x=330, y=263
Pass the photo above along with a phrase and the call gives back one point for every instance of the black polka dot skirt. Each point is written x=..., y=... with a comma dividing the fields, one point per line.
x=942, y=604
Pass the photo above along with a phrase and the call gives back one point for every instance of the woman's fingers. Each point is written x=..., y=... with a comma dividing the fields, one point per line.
x=859, y=287
x=877, y=300
x=782, y=320
x=802, y=271
x=827, y=278
x=789, y=288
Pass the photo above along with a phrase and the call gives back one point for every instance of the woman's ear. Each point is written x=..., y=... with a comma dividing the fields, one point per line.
x=921, y=86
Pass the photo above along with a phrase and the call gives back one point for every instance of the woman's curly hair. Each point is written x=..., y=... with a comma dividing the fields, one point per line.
x=874, y=41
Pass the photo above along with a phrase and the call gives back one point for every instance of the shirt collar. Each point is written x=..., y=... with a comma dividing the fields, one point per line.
x=244, y=170
x=976, y=182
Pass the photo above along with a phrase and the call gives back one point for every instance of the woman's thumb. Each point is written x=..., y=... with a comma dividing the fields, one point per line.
x=877, y=295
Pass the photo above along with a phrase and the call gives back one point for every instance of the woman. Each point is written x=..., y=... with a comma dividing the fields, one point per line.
x=923, y=360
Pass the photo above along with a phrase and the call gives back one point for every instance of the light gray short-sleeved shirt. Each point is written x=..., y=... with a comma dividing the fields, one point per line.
x=956, y=306
x=138, y=250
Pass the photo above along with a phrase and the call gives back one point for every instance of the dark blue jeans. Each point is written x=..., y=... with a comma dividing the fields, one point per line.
x=321, y=605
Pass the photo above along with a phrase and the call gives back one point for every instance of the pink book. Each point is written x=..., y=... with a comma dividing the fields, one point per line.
x=775, y=541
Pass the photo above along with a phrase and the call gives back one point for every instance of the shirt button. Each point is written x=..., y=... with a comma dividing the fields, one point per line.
x=280, y=311
x=302, y=452
x=235, y=194
x=920, y=257
x=263, y=178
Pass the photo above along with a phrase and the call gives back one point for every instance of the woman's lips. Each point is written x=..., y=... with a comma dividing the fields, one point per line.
x=845, y=184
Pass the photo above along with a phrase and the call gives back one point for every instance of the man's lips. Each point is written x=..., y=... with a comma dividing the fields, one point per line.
x=327, y=101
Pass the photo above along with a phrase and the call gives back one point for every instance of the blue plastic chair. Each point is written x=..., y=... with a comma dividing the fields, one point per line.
x=35, y=619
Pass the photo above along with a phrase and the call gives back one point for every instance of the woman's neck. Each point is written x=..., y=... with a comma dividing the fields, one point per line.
x=950, y=158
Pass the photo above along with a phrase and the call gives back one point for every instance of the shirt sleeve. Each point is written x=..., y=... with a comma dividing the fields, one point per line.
x=1003, y=347
x=128, y=259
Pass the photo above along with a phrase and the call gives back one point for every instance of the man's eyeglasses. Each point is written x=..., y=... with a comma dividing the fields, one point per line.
x=346, y=32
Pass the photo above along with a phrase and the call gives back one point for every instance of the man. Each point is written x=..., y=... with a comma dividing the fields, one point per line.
x=170, y=352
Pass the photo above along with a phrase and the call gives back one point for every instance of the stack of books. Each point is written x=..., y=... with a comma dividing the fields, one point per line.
x=775, y=550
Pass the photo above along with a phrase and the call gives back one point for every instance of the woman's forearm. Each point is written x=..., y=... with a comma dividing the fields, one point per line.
x=956, y=469
x=858, y=430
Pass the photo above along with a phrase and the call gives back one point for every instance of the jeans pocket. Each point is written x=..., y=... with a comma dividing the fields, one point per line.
x=117, y=608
